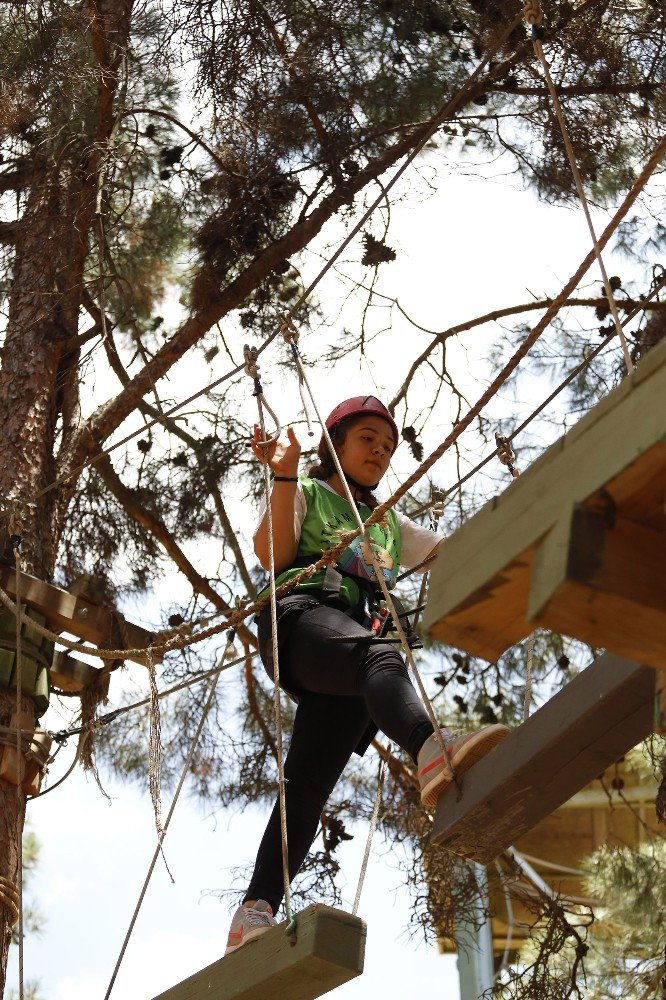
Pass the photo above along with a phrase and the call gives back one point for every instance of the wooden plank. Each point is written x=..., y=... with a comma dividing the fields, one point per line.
x=619, y=448
x=65, y=612
x=603, y=712
x=72, y=675
x=604, y=582
x=329, y=950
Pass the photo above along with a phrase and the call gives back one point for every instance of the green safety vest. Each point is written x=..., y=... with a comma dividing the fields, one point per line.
x=328, y=516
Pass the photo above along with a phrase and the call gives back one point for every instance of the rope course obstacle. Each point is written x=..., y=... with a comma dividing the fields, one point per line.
x=579, y=546
x=614, y=515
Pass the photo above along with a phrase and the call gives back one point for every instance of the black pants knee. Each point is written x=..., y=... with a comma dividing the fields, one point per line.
x=340, y=686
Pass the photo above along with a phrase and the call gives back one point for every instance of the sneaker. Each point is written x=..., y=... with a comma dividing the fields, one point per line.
x=248, y=923
x=436, y=771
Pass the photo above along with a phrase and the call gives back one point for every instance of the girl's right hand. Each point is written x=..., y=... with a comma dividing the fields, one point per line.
x=282, y=455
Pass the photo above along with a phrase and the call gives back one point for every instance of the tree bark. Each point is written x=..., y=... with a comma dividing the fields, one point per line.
x=39, y=372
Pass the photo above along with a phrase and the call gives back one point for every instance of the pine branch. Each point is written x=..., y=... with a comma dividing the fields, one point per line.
x=133, y=506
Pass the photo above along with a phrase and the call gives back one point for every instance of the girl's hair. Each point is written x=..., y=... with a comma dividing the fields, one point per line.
x=325, y=467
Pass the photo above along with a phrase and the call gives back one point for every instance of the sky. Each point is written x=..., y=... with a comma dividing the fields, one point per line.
x=478, y=243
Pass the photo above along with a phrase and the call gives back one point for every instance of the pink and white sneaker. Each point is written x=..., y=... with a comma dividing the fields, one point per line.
x=462, y=751
x=249, y=922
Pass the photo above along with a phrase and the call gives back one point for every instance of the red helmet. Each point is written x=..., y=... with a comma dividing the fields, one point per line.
x=362, y=404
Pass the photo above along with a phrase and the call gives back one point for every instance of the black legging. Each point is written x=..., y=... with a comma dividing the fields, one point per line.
x=338, y=686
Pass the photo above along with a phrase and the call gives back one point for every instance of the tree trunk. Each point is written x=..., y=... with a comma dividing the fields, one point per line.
x=39, y=377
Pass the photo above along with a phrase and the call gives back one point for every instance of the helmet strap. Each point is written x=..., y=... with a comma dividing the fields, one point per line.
x=359, y=486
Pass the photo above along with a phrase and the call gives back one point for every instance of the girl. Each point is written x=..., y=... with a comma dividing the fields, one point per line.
x=346, y=691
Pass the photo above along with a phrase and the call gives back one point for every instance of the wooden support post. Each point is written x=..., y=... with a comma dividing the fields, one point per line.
x=603, y=579
x=76, y=614
x=328, y=951
x=603, y=712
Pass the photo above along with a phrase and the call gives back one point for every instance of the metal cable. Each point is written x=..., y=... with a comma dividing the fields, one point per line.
x=383, y=766
x=534, y=16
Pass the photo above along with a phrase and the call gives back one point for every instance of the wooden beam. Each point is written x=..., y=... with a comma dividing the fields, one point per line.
x=603, y=580
x=615, y=456
x=328, y=951
x=600, y=715
x=65, y=612
x=72, y=675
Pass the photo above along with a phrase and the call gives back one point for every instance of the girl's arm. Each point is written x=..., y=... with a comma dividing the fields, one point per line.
x=283, y=460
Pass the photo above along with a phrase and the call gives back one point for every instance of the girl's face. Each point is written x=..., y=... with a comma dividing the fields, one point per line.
x=366, y=450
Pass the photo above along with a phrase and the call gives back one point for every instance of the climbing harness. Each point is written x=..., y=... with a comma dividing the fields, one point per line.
x=379, y=575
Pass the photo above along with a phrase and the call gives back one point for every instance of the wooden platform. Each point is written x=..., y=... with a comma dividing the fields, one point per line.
x=576, y=544
x=329, y=951
x=601, y=714
x=72, y=613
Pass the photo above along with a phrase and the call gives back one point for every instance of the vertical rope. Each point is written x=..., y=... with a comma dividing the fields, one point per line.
x=290, y=335
x=154, y=745
x=383, y=766
x=534, y=17
x=528, y=678
x=181, y=782
x=252, y=369
x=277, y=704
x=16, y=545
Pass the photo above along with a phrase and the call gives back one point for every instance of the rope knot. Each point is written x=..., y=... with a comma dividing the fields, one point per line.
x=533, y=13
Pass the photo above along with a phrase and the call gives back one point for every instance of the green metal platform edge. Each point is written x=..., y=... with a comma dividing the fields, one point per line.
x=329, y=950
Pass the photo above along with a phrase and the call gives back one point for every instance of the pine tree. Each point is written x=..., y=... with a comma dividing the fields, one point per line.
x=151, y=152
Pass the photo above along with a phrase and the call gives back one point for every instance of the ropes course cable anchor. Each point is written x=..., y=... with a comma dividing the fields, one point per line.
x=505, y=454
x=252, y=369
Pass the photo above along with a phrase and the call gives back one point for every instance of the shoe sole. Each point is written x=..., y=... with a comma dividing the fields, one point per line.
x=250, y=936
x=476, y=747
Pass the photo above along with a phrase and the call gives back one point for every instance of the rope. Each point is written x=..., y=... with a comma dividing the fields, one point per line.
x=383, y=766
x=158, y=849
x=16, y=546
x=9, y=900
x=528, y=677
x=253, y=372
x=534, y=17
x=535, y=413
x=291, y=337
x=155, y=748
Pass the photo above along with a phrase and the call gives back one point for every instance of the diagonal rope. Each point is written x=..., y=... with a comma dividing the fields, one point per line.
x=158, y=849
x=534, y=16
x=587, y=360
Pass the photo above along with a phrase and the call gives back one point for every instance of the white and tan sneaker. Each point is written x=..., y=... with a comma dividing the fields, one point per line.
x=248, y=923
